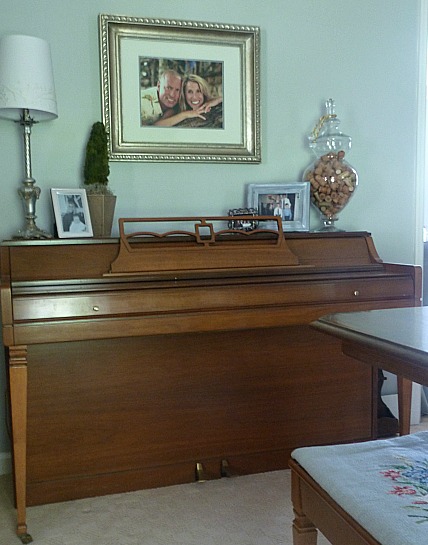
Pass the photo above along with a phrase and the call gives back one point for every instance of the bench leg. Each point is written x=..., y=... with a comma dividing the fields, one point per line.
x=304, y=532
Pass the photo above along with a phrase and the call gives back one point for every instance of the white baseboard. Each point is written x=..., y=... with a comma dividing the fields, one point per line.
x=5, y=463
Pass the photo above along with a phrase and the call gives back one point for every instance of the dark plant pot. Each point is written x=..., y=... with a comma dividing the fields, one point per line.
x=101, y=208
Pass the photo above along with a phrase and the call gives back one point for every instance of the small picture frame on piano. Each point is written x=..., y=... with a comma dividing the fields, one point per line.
x=290, y=201
x=71, y=212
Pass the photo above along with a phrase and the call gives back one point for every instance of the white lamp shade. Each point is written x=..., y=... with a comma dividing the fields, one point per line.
x=26, y=78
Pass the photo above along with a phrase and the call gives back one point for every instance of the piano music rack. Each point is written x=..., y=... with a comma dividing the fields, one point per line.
x=207, y=245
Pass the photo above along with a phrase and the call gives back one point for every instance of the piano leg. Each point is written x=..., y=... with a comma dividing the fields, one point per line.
x=18, y=399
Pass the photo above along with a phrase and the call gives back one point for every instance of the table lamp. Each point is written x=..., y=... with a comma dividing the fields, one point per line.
x=27, y=96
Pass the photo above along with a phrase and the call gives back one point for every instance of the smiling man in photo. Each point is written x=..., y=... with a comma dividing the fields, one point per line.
x=161, y=102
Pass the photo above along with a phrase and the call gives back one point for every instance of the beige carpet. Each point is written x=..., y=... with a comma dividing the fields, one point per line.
x=248, y=510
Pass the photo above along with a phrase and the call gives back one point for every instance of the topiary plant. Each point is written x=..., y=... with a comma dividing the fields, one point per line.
x=96, y=168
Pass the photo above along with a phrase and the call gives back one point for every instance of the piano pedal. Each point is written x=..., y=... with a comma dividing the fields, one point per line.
x=226, y=470
x=200, y=473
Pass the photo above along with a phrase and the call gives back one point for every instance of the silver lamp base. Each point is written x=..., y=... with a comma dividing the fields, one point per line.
x=32, y=233
x=30, y=192
x=29, y=195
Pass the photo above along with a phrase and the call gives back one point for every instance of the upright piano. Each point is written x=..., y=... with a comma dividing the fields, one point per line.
x=150, y=360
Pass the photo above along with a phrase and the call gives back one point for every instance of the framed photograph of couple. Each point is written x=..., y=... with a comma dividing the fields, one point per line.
x=180, y=90
x=71, y=211
x=289, y=201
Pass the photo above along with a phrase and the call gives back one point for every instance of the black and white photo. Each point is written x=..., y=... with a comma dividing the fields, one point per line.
x=71, y=212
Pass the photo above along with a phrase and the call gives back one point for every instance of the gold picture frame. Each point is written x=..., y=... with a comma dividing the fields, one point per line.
x=126, y=43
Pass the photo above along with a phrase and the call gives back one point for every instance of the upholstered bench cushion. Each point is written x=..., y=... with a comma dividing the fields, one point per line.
x=382, y=484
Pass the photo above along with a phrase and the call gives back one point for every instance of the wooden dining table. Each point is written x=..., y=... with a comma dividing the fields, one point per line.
x=395, y=340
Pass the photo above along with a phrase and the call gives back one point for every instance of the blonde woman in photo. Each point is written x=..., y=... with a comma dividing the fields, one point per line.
x=195, y=101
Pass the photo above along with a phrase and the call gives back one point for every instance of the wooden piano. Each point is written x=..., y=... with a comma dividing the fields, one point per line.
x=157, y=359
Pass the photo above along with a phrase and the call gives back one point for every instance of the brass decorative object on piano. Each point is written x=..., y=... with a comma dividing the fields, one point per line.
x=247, y=223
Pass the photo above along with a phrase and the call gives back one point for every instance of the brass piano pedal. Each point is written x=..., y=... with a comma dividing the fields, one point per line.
x=200, y=473
x=226, y=470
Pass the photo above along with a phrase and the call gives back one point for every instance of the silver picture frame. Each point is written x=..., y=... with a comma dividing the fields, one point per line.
x=71, y=211
x=124, y=41
x=291, y=201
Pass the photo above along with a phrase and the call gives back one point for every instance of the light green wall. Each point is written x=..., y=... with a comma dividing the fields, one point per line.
x=362, y=54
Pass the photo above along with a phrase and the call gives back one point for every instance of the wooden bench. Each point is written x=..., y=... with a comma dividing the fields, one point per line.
x=372, y=493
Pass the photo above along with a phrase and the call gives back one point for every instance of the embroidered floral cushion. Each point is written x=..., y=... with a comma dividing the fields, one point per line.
x=382, y=484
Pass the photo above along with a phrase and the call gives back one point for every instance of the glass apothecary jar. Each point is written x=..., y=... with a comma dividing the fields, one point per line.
x=333, y=180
